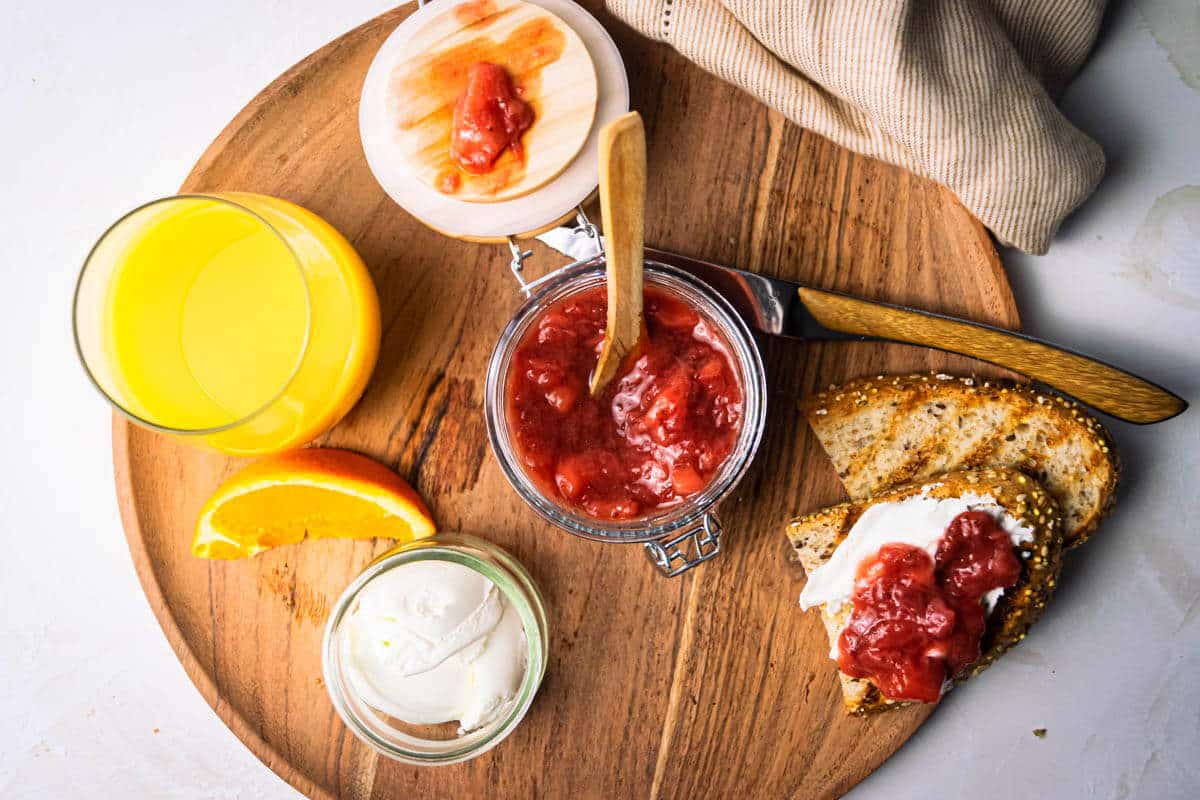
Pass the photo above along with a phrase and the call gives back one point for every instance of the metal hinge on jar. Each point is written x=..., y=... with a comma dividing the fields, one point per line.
x=697, y=544
x=583, y=228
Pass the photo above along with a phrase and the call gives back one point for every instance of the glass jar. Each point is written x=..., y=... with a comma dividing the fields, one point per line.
x=426, y=744
x=676, y=538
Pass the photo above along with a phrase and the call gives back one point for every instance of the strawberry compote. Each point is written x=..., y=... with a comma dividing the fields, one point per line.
x=659, y=431
x=918, y=621
x=489, y=118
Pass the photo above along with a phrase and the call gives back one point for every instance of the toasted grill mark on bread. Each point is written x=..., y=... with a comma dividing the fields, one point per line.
x=895, y=429
x=815, y=536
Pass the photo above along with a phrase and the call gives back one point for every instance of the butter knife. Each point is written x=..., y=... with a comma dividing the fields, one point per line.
x=785, y=308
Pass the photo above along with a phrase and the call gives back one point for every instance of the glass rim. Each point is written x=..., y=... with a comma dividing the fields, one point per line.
x=518, y=587
x=156, y=426
x=743, y=347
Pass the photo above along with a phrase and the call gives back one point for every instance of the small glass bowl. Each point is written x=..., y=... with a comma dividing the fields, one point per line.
x=417, y=745
x=668, y=534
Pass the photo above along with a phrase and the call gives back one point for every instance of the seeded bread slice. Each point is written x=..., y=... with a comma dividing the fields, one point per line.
x=895, y=429
x=815, y=537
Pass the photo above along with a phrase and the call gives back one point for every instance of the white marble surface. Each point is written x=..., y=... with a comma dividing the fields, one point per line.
x=106, y=105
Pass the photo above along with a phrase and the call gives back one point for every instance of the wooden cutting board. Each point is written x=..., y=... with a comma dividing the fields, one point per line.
x=711, y=685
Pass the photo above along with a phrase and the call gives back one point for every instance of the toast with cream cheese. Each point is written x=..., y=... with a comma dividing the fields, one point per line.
x=1018, y=503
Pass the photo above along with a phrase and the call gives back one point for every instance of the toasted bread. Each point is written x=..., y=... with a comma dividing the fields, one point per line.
x=895, y=429
x=816, y=536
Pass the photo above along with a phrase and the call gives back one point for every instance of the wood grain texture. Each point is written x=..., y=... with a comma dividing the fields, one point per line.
x=711, y=685
x=622, y=208
x=549, y=66
x=1095, y=383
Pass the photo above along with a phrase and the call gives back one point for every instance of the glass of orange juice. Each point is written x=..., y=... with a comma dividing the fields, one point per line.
x=242, y=322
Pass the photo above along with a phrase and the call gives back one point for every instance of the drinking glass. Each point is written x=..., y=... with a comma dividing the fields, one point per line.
x=237, y=321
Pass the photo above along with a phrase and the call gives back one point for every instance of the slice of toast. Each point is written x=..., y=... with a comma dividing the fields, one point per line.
x=815, y=537
x=895, y=429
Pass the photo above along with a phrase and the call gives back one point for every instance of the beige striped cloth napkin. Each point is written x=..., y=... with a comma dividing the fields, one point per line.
x=960, y=91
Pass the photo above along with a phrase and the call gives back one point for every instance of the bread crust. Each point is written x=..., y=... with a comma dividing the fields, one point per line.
x=815, y=536
x=890, y=430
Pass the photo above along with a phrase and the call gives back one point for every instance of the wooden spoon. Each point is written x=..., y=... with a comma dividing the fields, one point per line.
x=622, y=206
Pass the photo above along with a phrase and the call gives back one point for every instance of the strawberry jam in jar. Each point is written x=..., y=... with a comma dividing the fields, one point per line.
x=666, y=439
x=658, y=432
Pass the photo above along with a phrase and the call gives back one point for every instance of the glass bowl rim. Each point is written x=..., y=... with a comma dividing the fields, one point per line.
x=518, y=586
x=562, y=282
x=224, y=198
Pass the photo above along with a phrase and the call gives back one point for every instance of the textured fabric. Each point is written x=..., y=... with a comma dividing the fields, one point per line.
x=956, y=90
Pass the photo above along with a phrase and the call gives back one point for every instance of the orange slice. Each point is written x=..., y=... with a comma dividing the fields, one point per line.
x=308, y=494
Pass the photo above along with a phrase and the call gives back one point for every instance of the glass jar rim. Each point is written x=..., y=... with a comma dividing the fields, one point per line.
x=744, y=349
x=224, y=199
x=519, y=588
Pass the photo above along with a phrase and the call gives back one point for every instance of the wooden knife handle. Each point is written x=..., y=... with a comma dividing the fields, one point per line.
x=1104, y=387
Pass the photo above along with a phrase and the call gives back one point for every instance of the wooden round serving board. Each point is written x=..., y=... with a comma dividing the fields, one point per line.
x=711, y=685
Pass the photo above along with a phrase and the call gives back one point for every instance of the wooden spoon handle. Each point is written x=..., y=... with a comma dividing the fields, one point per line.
x=1104, y=387
x=622, y=206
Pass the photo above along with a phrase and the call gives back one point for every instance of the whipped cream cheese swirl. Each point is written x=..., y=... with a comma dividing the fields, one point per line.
x=433, y=641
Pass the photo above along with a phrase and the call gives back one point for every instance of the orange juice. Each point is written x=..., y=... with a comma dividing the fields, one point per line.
x=241, y=320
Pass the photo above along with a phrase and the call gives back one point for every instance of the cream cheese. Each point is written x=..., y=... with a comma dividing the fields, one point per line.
x=919, y=521
x=434, y=641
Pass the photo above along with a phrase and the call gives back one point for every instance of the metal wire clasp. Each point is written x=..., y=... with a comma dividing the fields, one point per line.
x=695, y=545
x=516, y=263
x=584, y=226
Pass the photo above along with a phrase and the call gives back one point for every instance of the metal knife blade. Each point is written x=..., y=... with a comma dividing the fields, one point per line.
x=771, y=305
